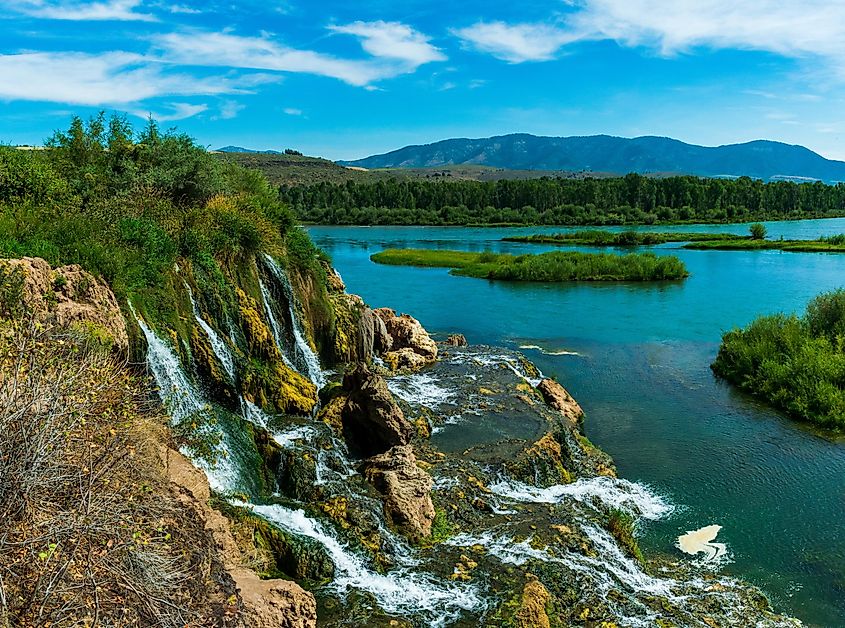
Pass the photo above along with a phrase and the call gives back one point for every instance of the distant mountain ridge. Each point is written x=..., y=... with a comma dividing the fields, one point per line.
x=240, y=149
x=761, y=159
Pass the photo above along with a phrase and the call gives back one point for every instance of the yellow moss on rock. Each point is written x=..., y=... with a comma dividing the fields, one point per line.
x=330, y=413
x=258, y=334
x=532, y=610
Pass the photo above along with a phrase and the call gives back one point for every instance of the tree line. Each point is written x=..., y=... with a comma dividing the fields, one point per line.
x=632, y=199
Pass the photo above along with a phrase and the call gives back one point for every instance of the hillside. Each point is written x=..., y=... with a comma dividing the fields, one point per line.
x=645, y=155
x=295, y=170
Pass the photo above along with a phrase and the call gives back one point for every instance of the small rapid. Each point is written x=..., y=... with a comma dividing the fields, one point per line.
x=400, y=592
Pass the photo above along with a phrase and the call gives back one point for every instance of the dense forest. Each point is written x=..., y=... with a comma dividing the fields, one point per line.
x=633, y=199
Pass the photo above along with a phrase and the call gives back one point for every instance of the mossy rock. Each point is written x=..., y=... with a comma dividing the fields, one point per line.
x=210, y=370
x=279, y=388
x=544, y=463
x=297, y=476
x=269, y=454
x=277, y=552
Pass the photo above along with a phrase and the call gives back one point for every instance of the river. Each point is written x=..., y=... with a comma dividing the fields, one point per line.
x=637, y=359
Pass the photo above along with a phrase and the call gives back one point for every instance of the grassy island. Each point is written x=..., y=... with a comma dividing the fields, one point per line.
x=599, y=237
x=797, y=364
x=556, y=266
x=832, y=244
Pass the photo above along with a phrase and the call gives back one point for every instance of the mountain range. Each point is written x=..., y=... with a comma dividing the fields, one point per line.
x=241, y=149
x=760, y=159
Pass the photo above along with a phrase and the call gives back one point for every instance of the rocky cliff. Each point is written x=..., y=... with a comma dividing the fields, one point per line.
x=341, y=467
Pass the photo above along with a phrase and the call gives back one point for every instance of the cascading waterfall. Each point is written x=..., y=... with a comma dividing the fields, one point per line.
x=220, y=348
x=306, y=353
x=176, y=390
x=400, y=592
x=274, y=324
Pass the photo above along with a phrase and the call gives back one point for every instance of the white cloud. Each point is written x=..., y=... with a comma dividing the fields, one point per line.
x=291, y=111
x=393, y=40
x=516, y=43
x=223, y=49
x=792, y=28
x=183, y=9
x=112, y=78
x=178, y=111
x=107, y=10
x=229, y=110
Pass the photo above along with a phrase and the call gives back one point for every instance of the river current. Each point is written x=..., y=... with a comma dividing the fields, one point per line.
x=637, y=359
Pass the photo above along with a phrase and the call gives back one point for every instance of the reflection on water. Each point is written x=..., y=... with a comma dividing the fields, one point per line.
x=642, y=375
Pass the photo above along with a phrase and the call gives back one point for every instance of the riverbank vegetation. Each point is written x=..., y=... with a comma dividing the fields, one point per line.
x=830, y=244
x=555, y=266
x=598, y=237
x=633, y=199
x=797, y=364
x=126, y=203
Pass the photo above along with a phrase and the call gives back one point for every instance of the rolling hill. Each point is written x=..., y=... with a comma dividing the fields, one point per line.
x=602, y=153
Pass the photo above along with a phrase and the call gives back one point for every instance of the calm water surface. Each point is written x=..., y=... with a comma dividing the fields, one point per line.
x=642, y=375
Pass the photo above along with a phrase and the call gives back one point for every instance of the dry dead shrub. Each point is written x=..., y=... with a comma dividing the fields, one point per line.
x=90, y=533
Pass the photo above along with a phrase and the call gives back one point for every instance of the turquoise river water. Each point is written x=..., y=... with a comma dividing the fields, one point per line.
x=637, y=359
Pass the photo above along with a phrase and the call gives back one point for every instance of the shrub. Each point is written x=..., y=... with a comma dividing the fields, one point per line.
x=758, y=231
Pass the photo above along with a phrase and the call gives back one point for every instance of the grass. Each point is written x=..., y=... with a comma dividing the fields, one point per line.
x=833, y=244
x=599, y=237
x=551, y=267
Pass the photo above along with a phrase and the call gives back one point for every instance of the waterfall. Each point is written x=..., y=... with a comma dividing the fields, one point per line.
x=306, y=353
x=274, y=323
x=175, y=389
x=401, y=592
x=221, y=350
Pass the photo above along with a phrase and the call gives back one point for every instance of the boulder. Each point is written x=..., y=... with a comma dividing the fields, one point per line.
x=406, y=332
x=406, y=489
x=372, y=421
x=71, y=297
x=404, y=359
x=532, y=610
x=382, y=342
x=456, y=340
x=366, y=335
x=558, y=398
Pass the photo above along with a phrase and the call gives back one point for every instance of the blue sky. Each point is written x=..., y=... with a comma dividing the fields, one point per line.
x=345, y=79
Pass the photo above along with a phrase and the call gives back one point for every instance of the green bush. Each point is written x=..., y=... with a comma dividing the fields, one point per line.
x=796, y=364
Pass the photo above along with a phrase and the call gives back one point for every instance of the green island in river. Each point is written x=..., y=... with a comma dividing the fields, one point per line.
x=554, y=266
x=600, y=237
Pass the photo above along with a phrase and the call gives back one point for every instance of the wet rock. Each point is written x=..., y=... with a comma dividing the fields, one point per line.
x=70, y=297
x=406, y=332
x=558, y=398
x=382, y=342
x=404, y=359
x=456, y=340
x=406, y=489
x=334, y=283
x=365, y=335
x=532, y=611
x=371, y=419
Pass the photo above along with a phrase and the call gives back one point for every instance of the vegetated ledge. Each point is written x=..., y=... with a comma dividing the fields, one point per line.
x=555, y=266
x=831, y=244
x=600, y=237
x=795, y=364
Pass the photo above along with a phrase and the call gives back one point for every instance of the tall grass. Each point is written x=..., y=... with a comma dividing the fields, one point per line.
x=551, y=267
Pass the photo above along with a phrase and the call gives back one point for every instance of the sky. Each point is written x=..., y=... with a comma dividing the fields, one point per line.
x=344, y=80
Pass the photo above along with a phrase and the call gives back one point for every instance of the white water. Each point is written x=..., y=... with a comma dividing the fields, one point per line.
x=175, y=389
x=547, y=352
x=496, y=359
x=400, y=592
x=312, y=362
x=221, y=350
x=421, y=389
x=633, y=498
x=274, y=324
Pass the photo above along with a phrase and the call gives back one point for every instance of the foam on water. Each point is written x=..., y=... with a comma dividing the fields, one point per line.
x=421, y=389
x=496, y=359
x=547, y=352
x=401, y=592
x=221, y=350
x=312, y=362
x=633, y=498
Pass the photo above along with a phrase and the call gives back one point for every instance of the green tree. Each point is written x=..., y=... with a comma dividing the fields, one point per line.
x=758, y=231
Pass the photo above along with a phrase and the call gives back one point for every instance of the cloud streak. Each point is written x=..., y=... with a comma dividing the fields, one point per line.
x=107, y=10
x=113, y=78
